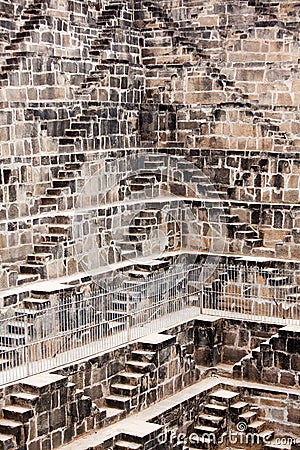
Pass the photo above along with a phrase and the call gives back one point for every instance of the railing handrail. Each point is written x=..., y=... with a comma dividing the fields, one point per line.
x=76, y=325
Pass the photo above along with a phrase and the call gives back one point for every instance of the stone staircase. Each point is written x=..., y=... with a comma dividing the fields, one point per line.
x=140, y=238
x=33, y=17
x=225, y=411
x=43, y=263
x=21, y=329
x=127, y=445
x=25, y=418
x=128, y=390
x=57, y=197
x=46, y=261
x=132, y=294
x=272, y=361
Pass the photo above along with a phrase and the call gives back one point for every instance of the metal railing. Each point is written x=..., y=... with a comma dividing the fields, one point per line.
x=44, y=337
x=252, y=293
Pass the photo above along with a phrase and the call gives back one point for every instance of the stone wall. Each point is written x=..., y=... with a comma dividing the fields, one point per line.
x=275, y=361
x=174, y=369
x=75, y=398
x=280, y=408
x=84, y=84
x=240, y=337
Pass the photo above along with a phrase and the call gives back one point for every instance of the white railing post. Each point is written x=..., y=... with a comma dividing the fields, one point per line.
x=26, y=349
x=128, y=317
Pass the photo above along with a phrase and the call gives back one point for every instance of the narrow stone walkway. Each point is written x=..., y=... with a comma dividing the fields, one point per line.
x=139, y=424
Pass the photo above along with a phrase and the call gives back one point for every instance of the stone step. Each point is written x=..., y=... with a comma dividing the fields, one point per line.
x=132, y=378
x=53, y=238
x=18, y=413
x=139, y=274
x=217, y=410
x=239, y=407
x=128, y=254
x=37, y=258
x=47, y=208
x=63, y=220
x=254, y=242
x=76, y=133
x=24, y=399
x=248, y=416
x=61, y=183
x=229, y=218
x=57, y=192
x=126, y=390
x=33, y=269
x=138, y=366
x=149, y=266
x=11, y=427
x=257, y=426
x=203, y=429
x=118, y=402
x=203, y=442
x=60, y=228
x=27, y=278
x=145, y=221
x=42, y=383
x=125, y=445
x=143, y=356
x=264, y=252
x=139, y=230
x=126, y=245
x=7, y=442
x=149, y=213
x=73, y=166
x=49, y=200
x=224, y=397
x=47, y=248
x=137, y=237
x=66, y=174
x=156, y=342
x=211, y=420
x=245, y=234
x=36, y=303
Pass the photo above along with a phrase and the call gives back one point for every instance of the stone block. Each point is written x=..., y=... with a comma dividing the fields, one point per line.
x=270, y=375
x=233, y=354
x=204, y=356
x=282, y=360
x=295, y=363
x=287, y=378
x=293, y=414
x=57, y=418
x=43, y=424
